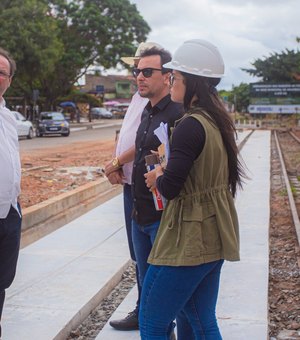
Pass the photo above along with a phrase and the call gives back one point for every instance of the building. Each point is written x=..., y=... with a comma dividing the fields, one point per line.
x=111, y=87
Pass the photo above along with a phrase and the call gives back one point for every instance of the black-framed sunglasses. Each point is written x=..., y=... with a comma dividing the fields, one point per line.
x=147, y=71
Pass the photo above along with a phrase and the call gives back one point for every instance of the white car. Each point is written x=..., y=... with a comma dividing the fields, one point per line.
x=24, y=127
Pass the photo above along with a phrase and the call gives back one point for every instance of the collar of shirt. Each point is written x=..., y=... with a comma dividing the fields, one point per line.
x=2, y=102
x=160, y=106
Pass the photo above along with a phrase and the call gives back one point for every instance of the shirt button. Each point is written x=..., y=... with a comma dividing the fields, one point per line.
x=140, y=149
x=134, y=199
x=145, y=132
x=134, y=165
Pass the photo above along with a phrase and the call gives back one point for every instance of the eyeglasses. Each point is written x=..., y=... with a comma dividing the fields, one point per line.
x=4, y=75
x=147, y=72
x=172, y=78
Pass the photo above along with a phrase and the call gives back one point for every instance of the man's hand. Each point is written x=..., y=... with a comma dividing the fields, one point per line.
x=111, y=167
x=115, y=177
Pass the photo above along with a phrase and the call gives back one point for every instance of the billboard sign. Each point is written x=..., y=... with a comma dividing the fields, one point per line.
x=274, y=98
x=276, y=109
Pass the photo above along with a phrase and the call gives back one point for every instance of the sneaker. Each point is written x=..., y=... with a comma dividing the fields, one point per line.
x=129, y=323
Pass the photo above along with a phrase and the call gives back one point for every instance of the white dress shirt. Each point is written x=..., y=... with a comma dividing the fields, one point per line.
x=128, y=130
x=10, y=173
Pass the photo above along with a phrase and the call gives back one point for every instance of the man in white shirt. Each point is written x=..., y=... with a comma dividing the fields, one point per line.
x=119, y=171
x=10, y=176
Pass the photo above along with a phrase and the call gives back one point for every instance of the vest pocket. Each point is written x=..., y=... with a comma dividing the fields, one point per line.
x=200, y=231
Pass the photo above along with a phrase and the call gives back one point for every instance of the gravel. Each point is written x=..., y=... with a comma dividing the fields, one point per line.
x=93, y=324
x=284, y=253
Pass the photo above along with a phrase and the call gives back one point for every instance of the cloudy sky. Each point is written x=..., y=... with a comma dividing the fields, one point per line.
x=242, y=30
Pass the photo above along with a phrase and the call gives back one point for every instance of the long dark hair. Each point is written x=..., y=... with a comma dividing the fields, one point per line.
x=208, y=99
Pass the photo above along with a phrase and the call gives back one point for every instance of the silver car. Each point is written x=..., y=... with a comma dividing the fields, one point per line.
x=100, y=112
x=24, y=127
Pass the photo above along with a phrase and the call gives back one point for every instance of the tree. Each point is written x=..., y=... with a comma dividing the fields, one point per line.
x=278, y=68
x=32, y=39
x=56, y=41
x=240, y=97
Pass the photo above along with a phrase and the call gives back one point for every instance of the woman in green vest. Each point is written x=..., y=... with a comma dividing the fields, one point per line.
x=199, y=226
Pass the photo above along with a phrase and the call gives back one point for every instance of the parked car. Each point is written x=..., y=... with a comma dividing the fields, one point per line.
x=24, y=127
x=100, y=112
x=50, y=123
x=119, y=110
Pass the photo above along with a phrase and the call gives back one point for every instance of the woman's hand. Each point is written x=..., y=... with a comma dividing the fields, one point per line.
x=151, y=177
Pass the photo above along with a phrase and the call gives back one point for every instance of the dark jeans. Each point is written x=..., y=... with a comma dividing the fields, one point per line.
x=128, y=206
x=143, y=238
x=190, y=292
x=10, y=234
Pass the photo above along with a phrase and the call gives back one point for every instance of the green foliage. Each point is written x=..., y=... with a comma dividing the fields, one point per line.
x=32, y=39
x=55, y=41
x=240, y=97
x=278, y=68
x=224, y=94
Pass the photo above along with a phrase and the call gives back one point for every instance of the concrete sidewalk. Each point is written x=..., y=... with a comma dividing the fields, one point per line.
x=242, y=308
x=63, y=276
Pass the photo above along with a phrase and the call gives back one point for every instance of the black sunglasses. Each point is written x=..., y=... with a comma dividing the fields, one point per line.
x=147, y=71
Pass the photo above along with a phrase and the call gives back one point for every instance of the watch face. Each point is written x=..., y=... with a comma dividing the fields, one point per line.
x=115, y=162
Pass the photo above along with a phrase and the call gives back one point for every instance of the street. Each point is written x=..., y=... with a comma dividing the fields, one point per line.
x=100, y=134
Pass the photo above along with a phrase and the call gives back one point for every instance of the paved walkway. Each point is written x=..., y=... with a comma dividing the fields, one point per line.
x=63, y=276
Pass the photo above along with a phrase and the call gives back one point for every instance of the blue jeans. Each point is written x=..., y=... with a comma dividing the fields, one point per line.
x=128, y=206
x=188, y=293
x=143, y=237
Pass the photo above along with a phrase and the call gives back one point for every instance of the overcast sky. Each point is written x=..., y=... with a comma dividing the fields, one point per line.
x=242, y=30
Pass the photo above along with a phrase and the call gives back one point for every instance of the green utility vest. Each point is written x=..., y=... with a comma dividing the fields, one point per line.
x=200, y=225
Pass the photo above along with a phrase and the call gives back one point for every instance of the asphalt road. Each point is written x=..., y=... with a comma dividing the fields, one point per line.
x=107, y=131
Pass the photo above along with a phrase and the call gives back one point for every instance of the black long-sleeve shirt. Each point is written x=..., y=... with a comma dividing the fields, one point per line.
x=188, y=140
x=165, y=111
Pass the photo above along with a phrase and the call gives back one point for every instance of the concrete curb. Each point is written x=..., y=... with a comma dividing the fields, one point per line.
x=45, y=217
x=98, y=125
x=84, y=312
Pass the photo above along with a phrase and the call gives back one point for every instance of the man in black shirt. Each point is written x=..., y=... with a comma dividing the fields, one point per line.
x=153, y=83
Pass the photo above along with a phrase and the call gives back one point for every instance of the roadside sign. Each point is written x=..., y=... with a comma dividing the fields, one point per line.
x=100, y=89
x=268, y=98
x=35, y=95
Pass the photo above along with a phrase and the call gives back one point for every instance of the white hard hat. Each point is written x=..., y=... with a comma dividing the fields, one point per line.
x=198, y=57
x=142, y=47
